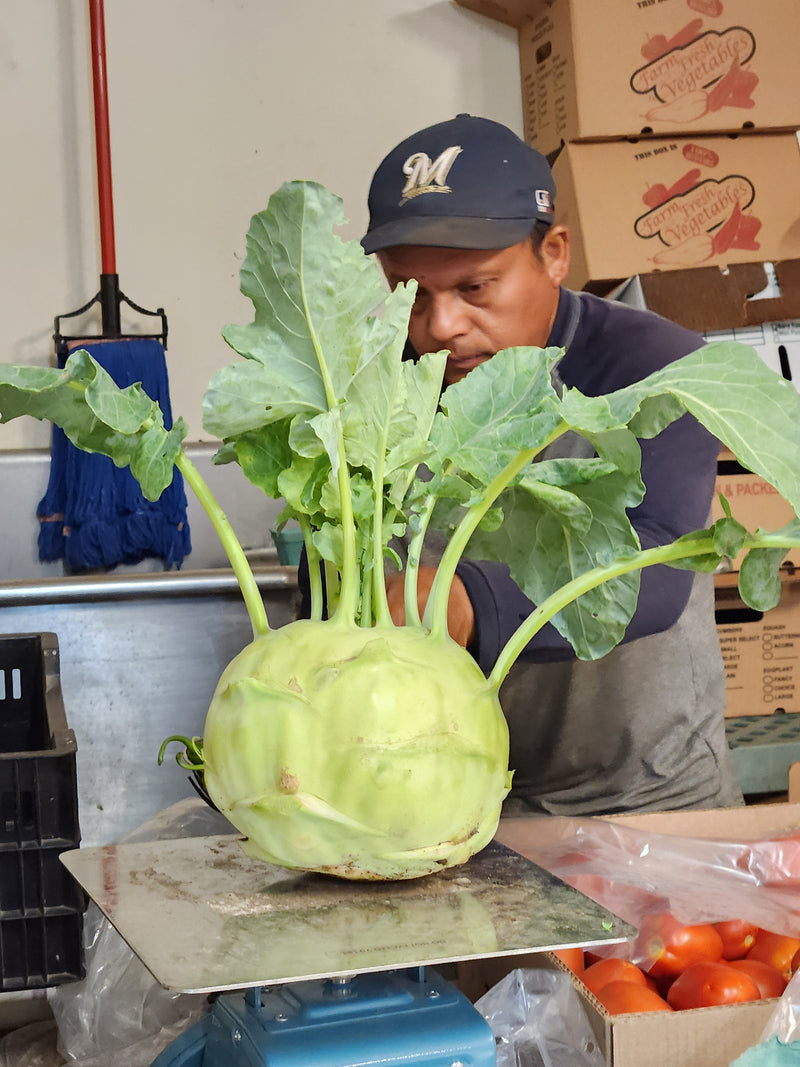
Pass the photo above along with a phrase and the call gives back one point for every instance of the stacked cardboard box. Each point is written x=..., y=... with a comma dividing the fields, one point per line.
x=671, y=125
x=760, y=651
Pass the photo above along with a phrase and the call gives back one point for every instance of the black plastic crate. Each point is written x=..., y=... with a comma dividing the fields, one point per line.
x=41, y=905
x=38, y=787
x=34, y=881
x=41, y=950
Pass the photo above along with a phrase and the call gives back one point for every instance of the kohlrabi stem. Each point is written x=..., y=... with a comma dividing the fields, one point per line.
x=435, y=617
x=378, y=602
x=233, y=550
x=685, y=548
x=333, y=587
x=348, y=597
x=413, y=555
x=346, y=608
x=365, y=602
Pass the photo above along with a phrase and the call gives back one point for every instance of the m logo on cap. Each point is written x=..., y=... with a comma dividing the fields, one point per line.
x=427, y=177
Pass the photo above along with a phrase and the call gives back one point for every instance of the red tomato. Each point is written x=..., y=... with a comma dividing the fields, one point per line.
x=672, y=947
x=703, y=984
x=738, y=938
x=572, y=958
x=613, y=969
x=778, y=950
x=770, y=982
x=620, y=997
x=796, y=961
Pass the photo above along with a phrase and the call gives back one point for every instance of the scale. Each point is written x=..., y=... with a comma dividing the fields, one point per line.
x=314, y=971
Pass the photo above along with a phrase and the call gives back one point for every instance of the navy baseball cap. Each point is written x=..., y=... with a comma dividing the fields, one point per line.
x=465, y=183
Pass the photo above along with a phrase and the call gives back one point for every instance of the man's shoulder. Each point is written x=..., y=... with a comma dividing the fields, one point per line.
x=620, y=320
x=629, y=342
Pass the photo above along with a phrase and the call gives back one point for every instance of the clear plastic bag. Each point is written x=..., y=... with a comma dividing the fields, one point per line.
x=784, y=1022
x=640, y=875
x=538, y=1020
x=32, y=1045
x=118, y=1012
x=780, y=1042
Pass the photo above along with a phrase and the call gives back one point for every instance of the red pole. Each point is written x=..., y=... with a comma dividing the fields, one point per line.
x=102, y=141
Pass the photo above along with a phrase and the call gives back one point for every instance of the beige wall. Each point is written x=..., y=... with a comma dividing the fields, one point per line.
x=213, y=104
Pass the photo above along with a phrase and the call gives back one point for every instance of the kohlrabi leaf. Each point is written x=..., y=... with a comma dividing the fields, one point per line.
x=324, y=375
x=97, y=416
x=759, y=579
x=420, y=386
x=153, y=459
x=504, y=407
x=312, y=293
x=724, y=538
x=264, y=454
x=389, y=405
x=750, y=408
x=729, y=536
x=554, y=533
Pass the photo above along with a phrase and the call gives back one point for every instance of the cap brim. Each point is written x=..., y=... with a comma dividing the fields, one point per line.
x=446, y=232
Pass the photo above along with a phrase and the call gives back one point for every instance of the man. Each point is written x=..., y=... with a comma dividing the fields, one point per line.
x=466, y=208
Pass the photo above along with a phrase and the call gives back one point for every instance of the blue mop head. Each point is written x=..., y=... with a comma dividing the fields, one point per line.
x=93, y=514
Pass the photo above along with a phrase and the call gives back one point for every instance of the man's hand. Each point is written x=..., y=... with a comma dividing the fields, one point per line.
x=460, y=617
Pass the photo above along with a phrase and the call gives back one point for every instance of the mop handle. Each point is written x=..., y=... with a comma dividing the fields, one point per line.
x=102, y=141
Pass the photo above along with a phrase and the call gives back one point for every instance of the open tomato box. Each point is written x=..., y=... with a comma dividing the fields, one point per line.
x=702, y=1037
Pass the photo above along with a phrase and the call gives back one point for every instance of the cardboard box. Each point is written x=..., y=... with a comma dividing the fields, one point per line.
x=760, y=651
x=624, y=68
x=634, y=207
x=511, y=12
x=703, y=1037
x=778, y=344
x=754, y=502
x=744, y=304
x=721, y=303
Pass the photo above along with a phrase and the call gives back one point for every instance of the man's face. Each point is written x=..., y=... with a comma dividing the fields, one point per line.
x=475, y=303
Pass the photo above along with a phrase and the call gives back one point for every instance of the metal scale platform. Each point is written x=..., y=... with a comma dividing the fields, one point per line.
x=319, y=972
